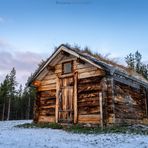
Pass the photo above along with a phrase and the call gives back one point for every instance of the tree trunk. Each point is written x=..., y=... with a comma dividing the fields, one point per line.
x=9, y=107
x=28, y=109
x=3, y=115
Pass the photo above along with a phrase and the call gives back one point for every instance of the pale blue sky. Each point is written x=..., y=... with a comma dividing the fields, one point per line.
x=36, y=26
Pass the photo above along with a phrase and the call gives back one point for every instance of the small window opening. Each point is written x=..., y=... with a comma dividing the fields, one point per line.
x=67, y=67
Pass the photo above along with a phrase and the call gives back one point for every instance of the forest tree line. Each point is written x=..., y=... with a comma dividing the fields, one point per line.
x=17, y=102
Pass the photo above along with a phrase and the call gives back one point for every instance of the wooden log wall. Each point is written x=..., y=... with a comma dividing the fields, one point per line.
x=130, y=104
x=109, y=106
x=46, y=103
x=47, y=98
x=89, y=78
x=36, y=108
x=88, y=100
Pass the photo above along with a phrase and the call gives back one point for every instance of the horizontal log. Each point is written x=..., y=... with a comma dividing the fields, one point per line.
x=46, y=109
x=47, y=113
x=87, y=69
x=46, y=119
x=47, y=87
x=127, y=121
x=83, y=66
x=88, y=104
x=58, y=66
x=42, y=74
x=95, y=79
x=48, y=82
x=50, y=76
x=48, y=106
x=94, y=119
x=90, y=95
x=48, y=94
x=88, y=110
x=88, y=92
x=86, y=88
x=68, y=59
x=88, y=99
x=47, y=102
x=90, y=74
x=58, y=71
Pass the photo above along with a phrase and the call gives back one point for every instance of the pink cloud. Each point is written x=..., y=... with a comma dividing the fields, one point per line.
x=25, y=63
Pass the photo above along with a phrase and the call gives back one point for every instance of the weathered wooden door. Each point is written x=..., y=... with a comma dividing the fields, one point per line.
x=66, y=100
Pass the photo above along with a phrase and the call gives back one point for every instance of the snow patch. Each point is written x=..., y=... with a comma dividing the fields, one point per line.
x=13, y=137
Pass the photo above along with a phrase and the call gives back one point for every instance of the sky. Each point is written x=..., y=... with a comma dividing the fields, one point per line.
x=30, y=29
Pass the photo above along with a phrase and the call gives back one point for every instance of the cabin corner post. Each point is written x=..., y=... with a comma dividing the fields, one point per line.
x=145, y=119
x=101, y=109
x=75, y=98
x=146, y=90
x=103, y=102
x=57, y=98
x=110, y=99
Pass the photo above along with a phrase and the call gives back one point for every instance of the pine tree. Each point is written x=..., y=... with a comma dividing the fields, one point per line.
x=12, y=90
x=138, y=63
x=134, y=62
x=130, y=60
x=4, y=93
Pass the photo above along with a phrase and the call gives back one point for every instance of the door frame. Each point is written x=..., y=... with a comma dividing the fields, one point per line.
x=66, y=115
x=58, y=84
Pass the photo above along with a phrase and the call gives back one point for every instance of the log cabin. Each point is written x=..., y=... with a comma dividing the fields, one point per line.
x=74, y=87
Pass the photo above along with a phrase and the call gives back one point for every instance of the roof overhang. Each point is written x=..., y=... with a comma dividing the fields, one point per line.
x=66, y=49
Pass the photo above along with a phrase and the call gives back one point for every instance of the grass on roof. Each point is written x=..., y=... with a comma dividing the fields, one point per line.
x=98, y=56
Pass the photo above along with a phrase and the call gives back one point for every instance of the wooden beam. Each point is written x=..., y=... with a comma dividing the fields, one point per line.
x=50, y=68
x=36, y=83
x=133, y=79
x=65, y=53
x=57, y=98
x=75, y=97
x=101, y=109
x=126, y=82
x=81, y=61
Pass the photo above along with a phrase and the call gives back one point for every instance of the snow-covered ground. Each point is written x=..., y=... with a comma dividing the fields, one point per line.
x=12, y=137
